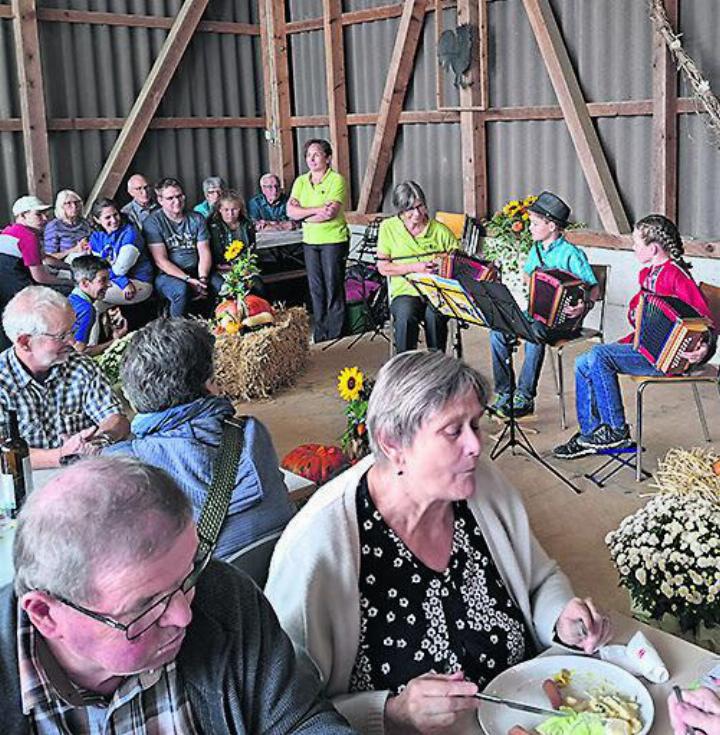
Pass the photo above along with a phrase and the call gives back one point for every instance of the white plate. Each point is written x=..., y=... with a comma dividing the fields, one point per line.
x=524, y=683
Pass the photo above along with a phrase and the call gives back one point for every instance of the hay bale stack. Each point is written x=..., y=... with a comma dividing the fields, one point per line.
x=254, y=365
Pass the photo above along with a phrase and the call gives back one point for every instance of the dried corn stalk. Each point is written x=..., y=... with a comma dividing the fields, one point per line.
x=689, y=471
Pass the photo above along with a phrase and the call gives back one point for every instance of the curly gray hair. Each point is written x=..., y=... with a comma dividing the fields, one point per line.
x=412, y=387
x=167, y=363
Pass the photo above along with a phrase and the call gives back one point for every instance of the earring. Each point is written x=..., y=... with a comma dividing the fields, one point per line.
x=399, y=472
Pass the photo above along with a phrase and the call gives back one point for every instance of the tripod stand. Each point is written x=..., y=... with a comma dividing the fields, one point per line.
x=501, y=312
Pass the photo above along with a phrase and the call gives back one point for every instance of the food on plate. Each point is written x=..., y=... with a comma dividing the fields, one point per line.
x=553, y=693
x=563, y=678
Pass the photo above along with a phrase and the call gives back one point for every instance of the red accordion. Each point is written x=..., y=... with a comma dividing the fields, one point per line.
x=550, y=292
x=665, y=326
x=456, y=264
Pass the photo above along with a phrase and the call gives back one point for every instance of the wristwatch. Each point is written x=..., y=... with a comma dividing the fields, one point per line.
x=187, y=278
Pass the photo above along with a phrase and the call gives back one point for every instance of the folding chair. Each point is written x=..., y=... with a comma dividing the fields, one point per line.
x=706, y=374
x=454, y=221
x=472, y=235
x=602, y=273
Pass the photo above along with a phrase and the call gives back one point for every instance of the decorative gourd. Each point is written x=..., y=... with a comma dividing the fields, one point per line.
x=228, y=317
x=259, y=311
x=315, y=462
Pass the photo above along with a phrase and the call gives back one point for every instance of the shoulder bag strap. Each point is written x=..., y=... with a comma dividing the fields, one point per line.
x=220, y=491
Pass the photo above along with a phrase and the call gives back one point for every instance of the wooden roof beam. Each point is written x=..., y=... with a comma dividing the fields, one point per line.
x=472, y=122
x=584, y=136
x=32, y=99
x=335, y=81
x=276, y=80
x=665, y=123
x=146, y=104
x=401, y=65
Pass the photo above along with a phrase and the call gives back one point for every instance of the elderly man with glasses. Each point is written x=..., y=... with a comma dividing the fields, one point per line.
x=64, y=403
x=268, y=209
x=142, y=204
x=120, y=622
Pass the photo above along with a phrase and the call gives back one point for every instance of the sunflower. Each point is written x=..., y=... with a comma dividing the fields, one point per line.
x=512, y=208
x=234, y=249
x=232, y=327
x=530, y=199
x=350, y=383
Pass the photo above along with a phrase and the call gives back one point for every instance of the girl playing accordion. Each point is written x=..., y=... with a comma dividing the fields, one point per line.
x=600, y=412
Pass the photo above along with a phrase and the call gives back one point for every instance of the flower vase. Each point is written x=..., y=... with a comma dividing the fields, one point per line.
x=708, y=638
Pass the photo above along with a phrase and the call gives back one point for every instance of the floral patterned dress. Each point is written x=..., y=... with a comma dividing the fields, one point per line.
x=414, y=619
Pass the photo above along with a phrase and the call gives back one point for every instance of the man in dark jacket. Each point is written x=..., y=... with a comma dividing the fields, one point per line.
x=117, y=624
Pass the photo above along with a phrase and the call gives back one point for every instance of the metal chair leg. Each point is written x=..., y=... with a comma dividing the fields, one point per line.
x=638, y=430
x=701, y=412
x=561, y=388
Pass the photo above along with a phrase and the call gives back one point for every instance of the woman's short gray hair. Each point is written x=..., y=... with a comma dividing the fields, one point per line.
x=102, y=510
x=63, y=197
x=166, y=364
x=413, y=387
x=406, y=194
x=29, y=311
x=213, y=182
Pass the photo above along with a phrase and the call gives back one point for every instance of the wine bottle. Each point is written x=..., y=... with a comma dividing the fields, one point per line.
x=15, y=469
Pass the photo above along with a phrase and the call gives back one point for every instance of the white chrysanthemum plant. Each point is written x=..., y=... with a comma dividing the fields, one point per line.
x=668, y=558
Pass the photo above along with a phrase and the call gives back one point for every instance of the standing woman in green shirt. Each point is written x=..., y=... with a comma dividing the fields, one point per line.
x=318, y=200
x=410, y=243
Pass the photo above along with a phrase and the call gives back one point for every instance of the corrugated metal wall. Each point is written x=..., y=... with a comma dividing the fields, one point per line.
x=96, y=71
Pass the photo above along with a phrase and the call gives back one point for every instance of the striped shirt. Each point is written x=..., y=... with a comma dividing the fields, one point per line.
x=74, y=395
x=150, y=703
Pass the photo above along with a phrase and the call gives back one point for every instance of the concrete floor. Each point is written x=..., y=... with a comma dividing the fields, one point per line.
x=570, y=527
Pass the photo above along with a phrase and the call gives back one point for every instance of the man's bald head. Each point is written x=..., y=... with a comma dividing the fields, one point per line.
x=101, y=511
x=139, y=189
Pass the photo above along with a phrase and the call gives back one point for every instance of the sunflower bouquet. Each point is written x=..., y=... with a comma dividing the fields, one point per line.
x=355, y=389
x=508, y=231
x=243, y=268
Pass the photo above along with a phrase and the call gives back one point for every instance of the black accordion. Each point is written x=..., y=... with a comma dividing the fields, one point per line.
x=550, y=292
x=665, y=326
x=456, y=264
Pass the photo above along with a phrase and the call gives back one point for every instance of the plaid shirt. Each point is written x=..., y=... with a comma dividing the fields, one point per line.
x=74, y=395
x=151, y=703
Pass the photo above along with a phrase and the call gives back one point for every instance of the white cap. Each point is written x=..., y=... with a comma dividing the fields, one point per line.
x=28, y=203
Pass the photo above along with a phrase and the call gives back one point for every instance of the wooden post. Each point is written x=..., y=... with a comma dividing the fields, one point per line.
x=665, y=122
x=336, y=94
x=401, y=64
x=276, y=75
x=472, y=123
x=585, y=139
x=138, y=120
x=32, y=99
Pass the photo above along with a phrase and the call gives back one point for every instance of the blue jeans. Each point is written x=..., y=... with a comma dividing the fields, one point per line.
x=532, y=364
x=408, y=311
x=179, y=294
x=597, y=390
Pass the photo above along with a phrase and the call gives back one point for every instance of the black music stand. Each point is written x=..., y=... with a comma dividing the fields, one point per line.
x=501, y=312
x=449, y=297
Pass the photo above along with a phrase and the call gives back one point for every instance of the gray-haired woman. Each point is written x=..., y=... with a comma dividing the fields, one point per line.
x=213, y=188
x=167, y=376
x=420, y=559
x=408, y=243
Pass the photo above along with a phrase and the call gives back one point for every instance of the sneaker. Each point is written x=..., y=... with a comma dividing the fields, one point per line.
x=604, y=437
x=523, y=406
x=572, y=449
x=499, y=407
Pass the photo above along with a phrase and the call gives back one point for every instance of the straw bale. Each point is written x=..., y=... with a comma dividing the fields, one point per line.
x=255, y=364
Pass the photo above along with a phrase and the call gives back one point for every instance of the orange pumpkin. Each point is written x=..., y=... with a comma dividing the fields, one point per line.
x=315, y=462
x=716, y=467
x=228, y=316
x=256, y=305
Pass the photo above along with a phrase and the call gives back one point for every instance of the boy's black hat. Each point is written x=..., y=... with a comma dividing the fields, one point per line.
x=551, y=206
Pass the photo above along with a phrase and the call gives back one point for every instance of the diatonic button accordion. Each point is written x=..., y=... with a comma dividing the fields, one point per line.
x=551, y=291
x=456, y=264
x=666, y=326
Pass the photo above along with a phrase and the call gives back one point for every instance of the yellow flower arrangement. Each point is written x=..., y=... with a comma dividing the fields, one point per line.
x=232, y=327
x=350, y=383
x=234, y=249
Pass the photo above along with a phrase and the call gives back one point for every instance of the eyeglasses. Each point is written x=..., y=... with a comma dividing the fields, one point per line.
x=146, y=619
x=146, y=187
x=62, y=337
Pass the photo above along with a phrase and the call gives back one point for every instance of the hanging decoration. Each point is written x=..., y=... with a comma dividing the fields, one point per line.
x=455, y=52
x=699, y=84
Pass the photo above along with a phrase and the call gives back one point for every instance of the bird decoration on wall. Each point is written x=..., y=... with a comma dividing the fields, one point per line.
x=455, y=52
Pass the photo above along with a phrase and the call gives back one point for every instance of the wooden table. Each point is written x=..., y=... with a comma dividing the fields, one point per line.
x=283, y=247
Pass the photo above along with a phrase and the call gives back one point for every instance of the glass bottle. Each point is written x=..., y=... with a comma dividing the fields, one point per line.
x=15, y=469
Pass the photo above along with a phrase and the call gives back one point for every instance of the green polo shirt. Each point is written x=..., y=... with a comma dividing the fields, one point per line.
x=332, y=188
x=396, y=243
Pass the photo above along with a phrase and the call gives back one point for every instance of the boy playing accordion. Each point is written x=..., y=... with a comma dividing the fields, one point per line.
x=601, y=415
x=548, y=218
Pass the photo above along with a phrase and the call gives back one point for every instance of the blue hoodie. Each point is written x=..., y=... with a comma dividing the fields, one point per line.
x=184, y=441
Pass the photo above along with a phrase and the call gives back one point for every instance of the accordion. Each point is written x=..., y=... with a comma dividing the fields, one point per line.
x=665, y=326
x=456, y=264
x=550, y=292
